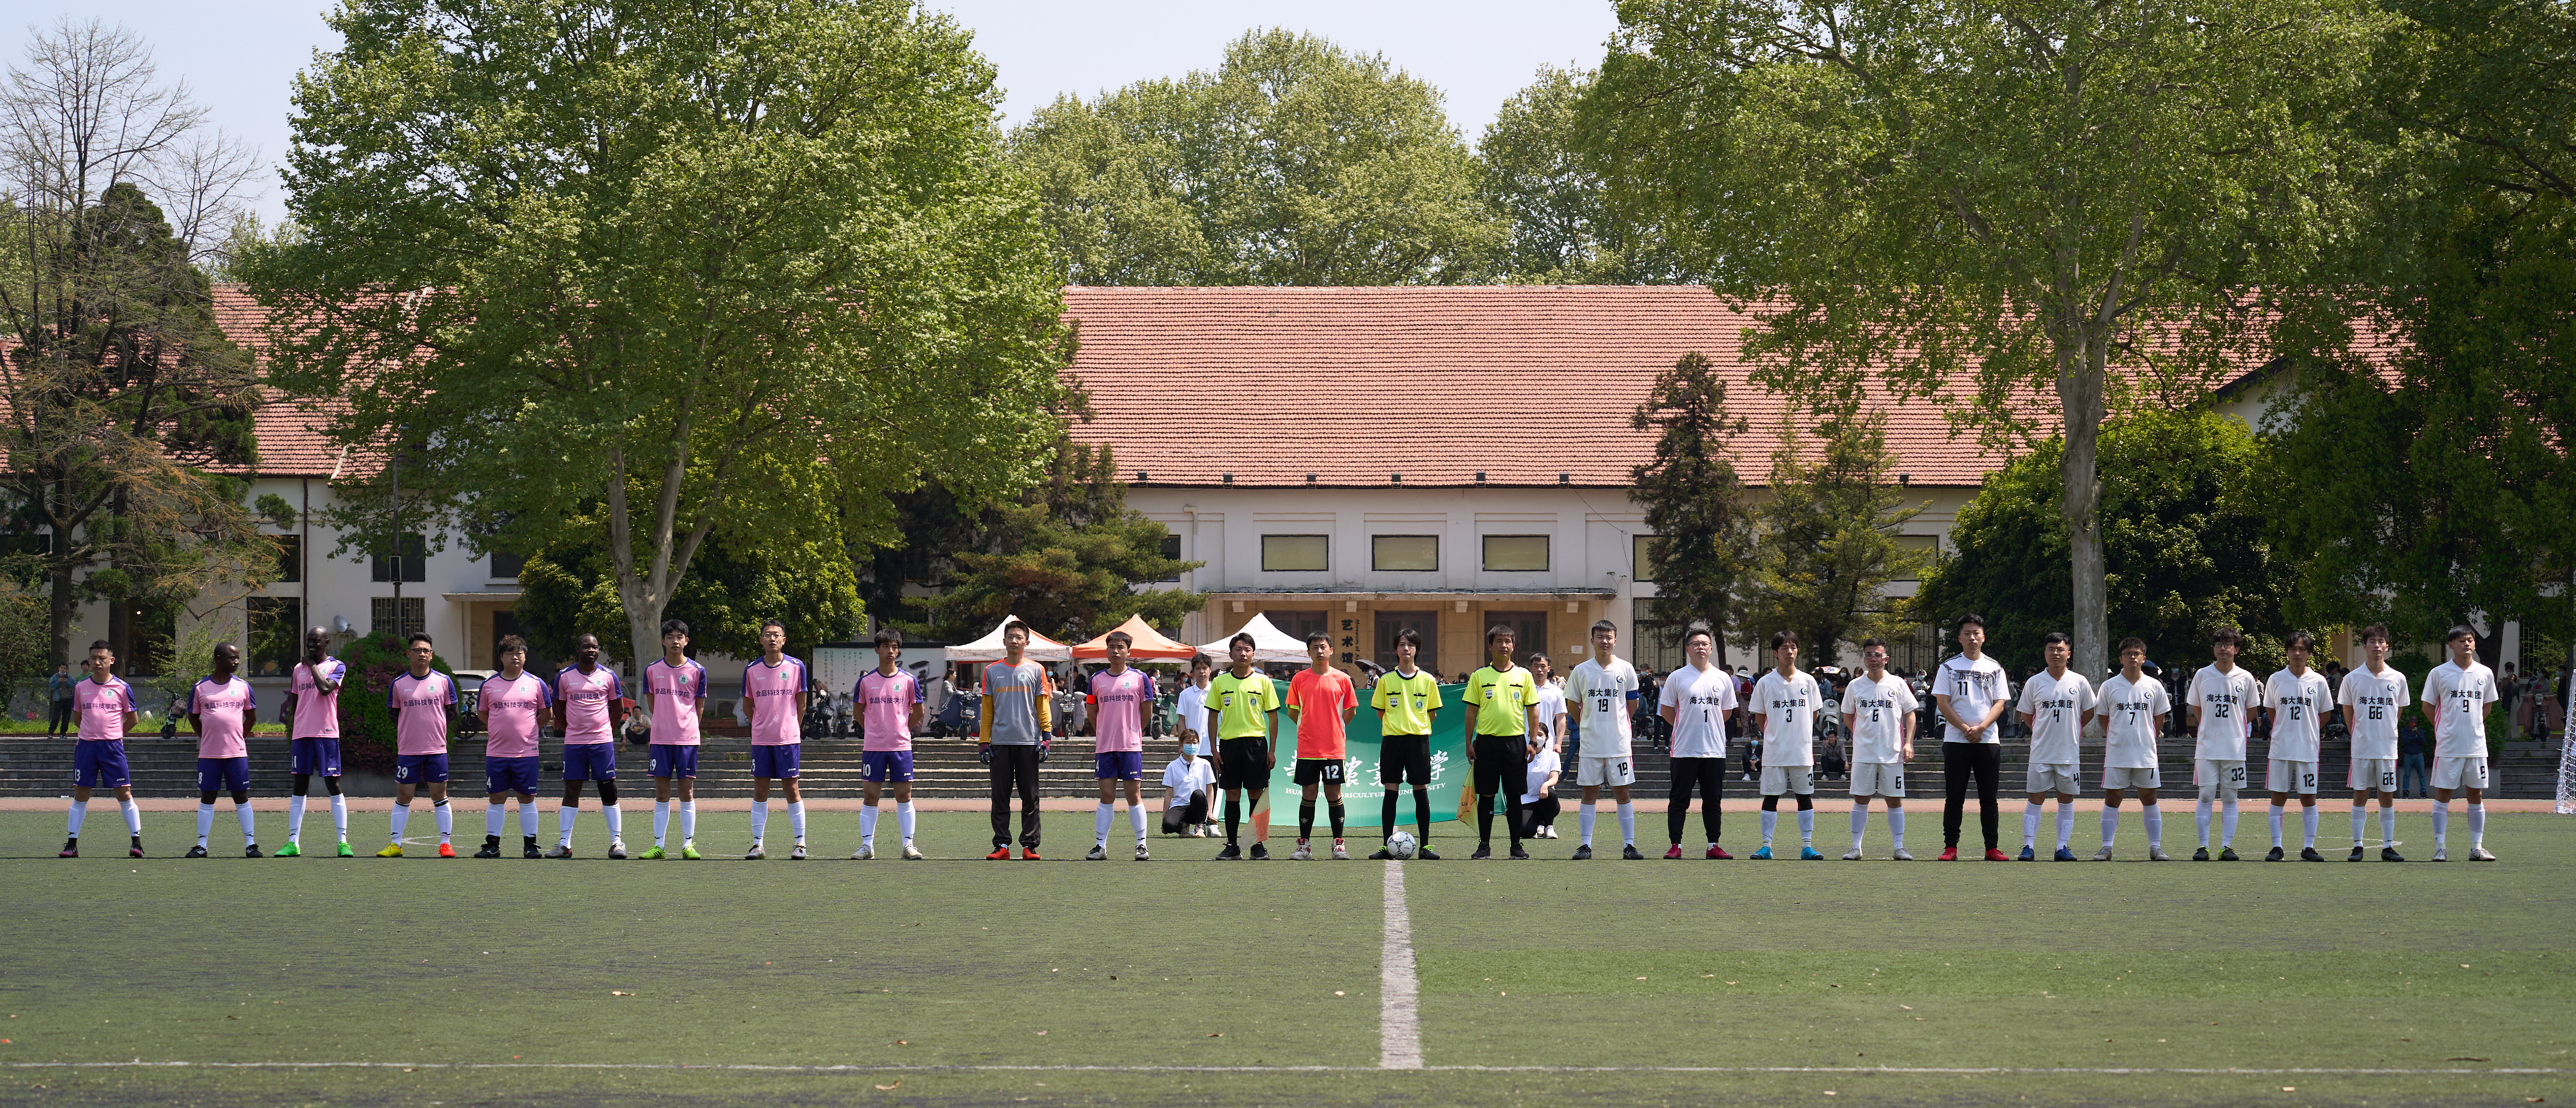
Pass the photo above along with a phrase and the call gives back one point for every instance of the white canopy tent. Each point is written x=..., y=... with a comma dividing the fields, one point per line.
x=989, y=648
x=1269, y=644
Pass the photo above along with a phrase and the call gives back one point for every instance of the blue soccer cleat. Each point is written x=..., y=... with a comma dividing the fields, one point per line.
x=1808, y=854
x=1762, y=855
x=2065, y=855
x=2028, y=855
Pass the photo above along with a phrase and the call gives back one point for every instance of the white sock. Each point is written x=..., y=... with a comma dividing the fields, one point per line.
x=615, y=814
x=80, y=811
x=1136, y=822
x=2360, y=820
x=1628, y=823
x=2308, y=825
x=868, y=825
x=401, y=816
x=2387, y=825
x=528, y=819
x=2276, y=826
x=2110, y=824
x=796, y=820
x=340, y=816
x=294, y=819
x=2029, y=824
x=1770, y=822
x=491, y=819
x=1807, y=827
x=446, y=817
x=2227, y=823
x=2477, y=825
x=564, y=817
x=206, y=822
x=661, y=821
x=759, y=819
x=688, y=821
x=1860, y=821
x=1100, y=826
x=2065, y=823
x=2200, y=817
x=249, y=823
x=133, y=817
x=2155, y=821
x=2441, y=823
x=1584, y=818
x=903, y=818
x=1896, y=826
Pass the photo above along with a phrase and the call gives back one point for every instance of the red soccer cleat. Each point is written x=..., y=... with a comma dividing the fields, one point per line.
x=1675, y=852
x=999, y=854
x=1950, y=854
x=1993, y=855
x=446, y=851
x=1028, y=854
x=1718, y=852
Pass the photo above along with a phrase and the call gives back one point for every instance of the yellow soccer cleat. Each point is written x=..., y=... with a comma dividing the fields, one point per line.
x=391, y=850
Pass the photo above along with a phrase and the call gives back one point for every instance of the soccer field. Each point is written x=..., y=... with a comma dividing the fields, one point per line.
x=427, y=982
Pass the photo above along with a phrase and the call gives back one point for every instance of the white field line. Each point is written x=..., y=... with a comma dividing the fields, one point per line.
x=901, y=1068
x=1399, y=1011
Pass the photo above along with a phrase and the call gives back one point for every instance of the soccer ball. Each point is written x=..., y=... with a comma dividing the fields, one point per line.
x=1401, y=845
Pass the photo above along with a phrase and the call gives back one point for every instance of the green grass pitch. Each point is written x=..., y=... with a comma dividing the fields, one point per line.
x=959, y=981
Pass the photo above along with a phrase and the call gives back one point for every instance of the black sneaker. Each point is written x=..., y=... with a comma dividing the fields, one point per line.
x=2275, y=855
x=2200, y=855
x=1583, y=853
x=2390, y=854
x=528, y=847
x=196, y=852
x=1426, y=855
x=71, y=849
x=1260, y=852
x=250, y=850
x=1483, y=850
x=1519, y=854
x=1381, y=855
x=491, y=847
x=2227, y=854
x=1631, y=853
x=1231, y=853
x=2355, y=856
x=2309, y=854
x=134, y=849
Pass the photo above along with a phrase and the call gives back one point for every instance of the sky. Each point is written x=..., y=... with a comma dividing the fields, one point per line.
x=237, y=56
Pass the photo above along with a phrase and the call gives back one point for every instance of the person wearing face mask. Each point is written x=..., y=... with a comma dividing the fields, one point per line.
x=1190, y=781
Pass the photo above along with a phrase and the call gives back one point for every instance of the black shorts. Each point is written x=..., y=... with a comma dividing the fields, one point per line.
x=1402, y=758
x=1243, y=763
x=1312, y=770
x=1501, y=760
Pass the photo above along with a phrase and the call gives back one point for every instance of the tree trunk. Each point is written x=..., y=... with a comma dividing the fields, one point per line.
x=61, y=608
x=2079, y=391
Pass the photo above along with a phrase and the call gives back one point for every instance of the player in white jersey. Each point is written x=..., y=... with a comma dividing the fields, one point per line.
x=1785, y=703
x=1601, y=690
x=1878, y=714
x=2372, y=696
x=1695, y=703
x=2456, y=695
x=2222, y=698
x=1972, y=692
x=2298, y=697
x=2133, y=707
x=2055, y=705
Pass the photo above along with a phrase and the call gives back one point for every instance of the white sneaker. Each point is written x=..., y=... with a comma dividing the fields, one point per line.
x=2104, y=854
x=910, y=852
x=1341, y=853
x=754, y=854
x=863, y=853
x=1303, y=854
x=2479, y=854
x=2157, y=854
x=1901, y=855
x=1142, y=855
x=1099, y=853
x=1854, y=856
x=2438, y=855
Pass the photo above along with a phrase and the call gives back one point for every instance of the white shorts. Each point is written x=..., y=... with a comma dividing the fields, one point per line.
x=1878, y=779
x=1784, y=780
x=2455, y=773
x=2370, y=774
x=2132, y=777
x=2291, y=778
x=1593, y=773
x=2054, y=777
x=2218, y=779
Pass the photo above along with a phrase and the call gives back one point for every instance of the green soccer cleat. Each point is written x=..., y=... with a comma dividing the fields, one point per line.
x=345, y=851
x=690, y=852
x=652, y=854
x=290, y=850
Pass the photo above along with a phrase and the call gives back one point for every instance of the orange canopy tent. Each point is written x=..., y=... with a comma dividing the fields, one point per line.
x=1146, y=645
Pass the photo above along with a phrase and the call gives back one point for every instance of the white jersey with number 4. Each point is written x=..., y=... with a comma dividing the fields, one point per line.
x=2458, y=699
x=2224, y=700
x=2056, y=706
x=1600, y=696
x=1877, y=710
x=2375, y=700
x=2296, y=701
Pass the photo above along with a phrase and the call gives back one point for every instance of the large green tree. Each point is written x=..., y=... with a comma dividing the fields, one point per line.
x=2032, y=213
x=2183, y=510
x=743, y=578
x=1826, y=546
x=1295, y=163
x=735, y=268
x=1693, y=499
x=1564, y=219
x=2424, y=453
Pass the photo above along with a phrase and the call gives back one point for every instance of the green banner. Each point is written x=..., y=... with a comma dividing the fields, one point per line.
x=1362, y=795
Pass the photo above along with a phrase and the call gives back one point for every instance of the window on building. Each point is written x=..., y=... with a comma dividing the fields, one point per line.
x=276, y=635
x=1515, y=553
x=1299, y=624
x=1404, y=553
x=415, y=561
x=1641, y=558
x=1426, y=624
x=151, y=629
x=1306, y=553
x=381, y=617
x=507, y=566
x=1172, y=550
x=290, y=558
x=1658, y=646
x=1926, y=545
x=1529, y=631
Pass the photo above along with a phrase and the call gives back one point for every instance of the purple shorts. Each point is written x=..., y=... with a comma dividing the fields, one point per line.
x=777, y=762
x=100, y=764
x=590, y=761
x=316, y=757
x=510, y=775
x=885, y=765
x=1118, y=765
x=218, y=775
x=420, y=769
x=673, y=760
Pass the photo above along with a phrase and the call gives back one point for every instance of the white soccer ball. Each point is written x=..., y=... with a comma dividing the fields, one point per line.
x=1401, y=845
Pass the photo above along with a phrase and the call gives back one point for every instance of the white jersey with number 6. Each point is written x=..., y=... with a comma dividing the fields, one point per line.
x=1877, y=709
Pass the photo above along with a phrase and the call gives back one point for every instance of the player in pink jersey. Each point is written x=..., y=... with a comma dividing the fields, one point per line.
x=775, y=687
x=513, y=705
x=590, y=705
x=103, y=710
x=1120, y=697
x=890, y=710
x=312, y=718
x=675, y=685
x=221, y=708
x=421, y=700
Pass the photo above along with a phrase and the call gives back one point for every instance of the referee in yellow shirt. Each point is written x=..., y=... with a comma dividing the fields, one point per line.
x=1406, y=701
x=1498, y=731
x=1242, y=712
